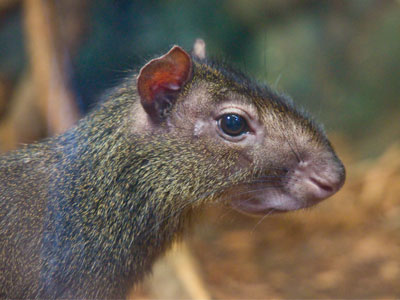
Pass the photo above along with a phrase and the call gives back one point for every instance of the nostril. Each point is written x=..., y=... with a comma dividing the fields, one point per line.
x=327, y=188
x=317, y=180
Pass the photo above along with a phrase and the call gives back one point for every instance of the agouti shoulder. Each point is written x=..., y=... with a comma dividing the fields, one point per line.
x=86, y=213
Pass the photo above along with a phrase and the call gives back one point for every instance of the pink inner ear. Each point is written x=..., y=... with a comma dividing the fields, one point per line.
x=167, y=73
x=165, y=86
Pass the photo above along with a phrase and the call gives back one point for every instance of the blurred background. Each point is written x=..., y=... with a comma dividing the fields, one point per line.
x=338, y=59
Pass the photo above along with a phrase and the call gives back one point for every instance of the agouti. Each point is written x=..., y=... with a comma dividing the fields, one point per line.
x=85, y=214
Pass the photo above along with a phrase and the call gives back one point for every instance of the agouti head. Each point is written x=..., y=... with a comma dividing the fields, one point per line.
x=250, y=147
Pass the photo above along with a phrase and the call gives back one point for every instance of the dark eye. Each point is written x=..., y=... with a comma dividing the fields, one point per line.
x=233, y=125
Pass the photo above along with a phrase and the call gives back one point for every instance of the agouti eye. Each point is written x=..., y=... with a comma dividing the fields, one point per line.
x=233, y=124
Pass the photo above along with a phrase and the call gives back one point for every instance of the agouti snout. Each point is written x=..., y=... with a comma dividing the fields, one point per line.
x=86, y=213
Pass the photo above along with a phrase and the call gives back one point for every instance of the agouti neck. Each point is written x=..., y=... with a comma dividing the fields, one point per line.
x=116, y=201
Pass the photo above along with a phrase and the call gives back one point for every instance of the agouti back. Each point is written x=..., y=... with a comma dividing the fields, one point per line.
x=86, y=213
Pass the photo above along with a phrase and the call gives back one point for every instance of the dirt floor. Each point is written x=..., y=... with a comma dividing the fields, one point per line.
x=347, y=247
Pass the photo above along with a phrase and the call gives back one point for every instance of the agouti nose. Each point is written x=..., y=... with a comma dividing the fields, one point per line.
x=320, y=182
x=323, y=187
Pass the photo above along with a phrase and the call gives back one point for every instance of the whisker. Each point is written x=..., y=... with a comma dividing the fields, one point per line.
x=277, y=180
x=296, y=154
x=291, y=148
x=178, y=210
x=257, y=190
x=262, y=219
x=271, y=179
x=272, y=176
x=188, y=203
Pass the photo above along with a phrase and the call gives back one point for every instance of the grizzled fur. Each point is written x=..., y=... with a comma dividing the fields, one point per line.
x=85, y=214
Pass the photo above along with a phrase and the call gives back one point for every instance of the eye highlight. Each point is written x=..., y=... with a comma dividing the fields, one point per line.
x=233, y=124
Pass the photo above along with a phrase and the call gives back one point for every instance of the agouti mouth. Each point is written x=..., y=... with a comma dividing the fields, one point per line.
x=322, y=185
x=269, y=200
x=260, y=198
x=303, y=186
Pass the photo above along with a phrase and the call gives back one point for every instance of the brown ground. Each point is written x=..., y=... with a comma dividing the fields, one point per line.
x=347, y=247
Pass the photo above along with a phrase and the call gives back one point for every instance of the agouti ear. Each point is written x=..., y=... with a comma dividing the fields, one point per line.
x=161, y=79
x=199, y=49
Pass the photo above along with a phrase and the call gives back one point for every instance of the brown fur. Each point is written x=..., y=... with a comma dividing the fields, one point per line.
x=85, y=214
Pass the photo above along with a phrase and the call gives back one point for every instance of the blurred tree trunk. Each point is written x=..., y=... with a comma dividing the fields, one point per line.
x=47, y=59
x=22, y=122
x=42, y=103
